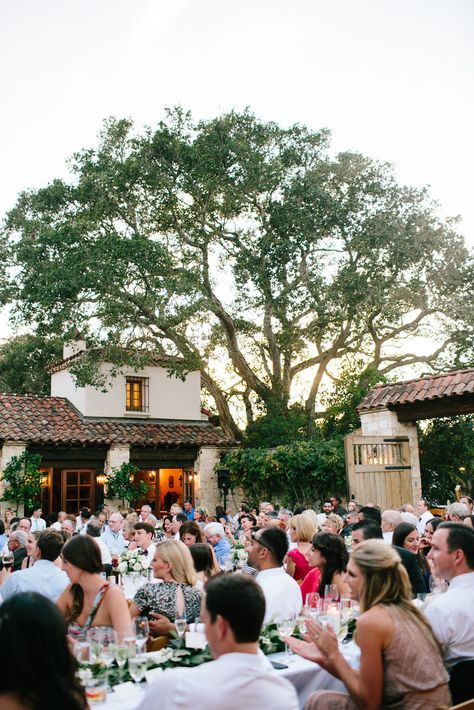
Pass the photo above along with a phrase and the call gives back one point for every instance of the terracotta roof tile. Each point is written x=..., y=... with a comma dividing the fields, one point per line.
x=55, y=420
x=449, y=384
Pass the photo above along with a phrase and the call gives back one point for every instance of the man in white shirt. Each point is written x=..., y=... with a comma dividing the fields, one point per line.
x=424, y=515
x=37, y=522
x=146, y=516
x=93, y=531
x=240, y=676
x=177, y=520
x=390, y=520
x=451, y=614
x=328, y=508
x=44, y=576
x=266, y=551
x=60, y=520
x=113, y=535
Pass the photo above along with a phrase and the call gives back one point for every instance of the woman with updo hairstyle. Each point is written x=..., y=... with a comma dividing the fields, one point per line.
x=37, y=668
x=401, y=663
x=89, y=600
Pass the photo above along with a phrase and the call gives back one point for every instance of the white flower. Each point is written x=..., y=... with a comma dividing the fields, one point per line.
x=122, y=567
x=137, y=567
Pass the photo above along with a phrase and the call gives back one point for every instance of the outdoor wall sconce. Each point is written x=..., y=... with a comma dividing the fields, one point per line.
x=152, y=477
x=101, y=479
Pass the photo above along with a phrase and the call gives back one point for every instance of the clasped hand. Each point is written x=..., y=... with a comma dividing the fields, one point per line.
x=319, y=645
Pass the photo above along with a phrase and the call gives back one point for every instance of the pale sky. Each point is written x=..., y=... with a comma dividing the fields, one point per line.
x=390, y=78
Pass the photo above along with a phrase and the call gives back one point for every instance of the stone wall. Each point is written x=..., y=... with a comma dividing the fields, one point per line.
x=9, y=450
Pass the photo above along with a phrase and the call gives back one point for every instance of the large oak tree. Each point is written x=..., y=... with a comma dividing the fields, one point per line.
x=238, y=243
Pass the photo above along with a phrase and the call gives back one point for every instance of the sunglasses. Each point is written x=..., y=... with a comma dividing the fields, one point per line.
x=261, y=542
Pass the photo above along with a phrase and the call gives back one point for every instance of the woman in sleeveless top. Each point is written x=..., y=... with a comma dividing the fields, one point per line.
x=401, y=665
x=176, y=595
x=302, y=529
x=89, y=600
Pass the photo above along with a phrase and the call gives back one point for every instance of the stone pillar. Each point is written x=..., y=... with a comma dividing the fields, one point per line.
x=9, y=450
x=207, y=494
x=116, y=456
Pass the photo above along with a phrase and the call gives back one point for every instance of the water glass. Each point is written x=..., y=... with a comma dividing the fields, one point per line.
x=180, y=624
x=82, y=650
x=137, y=668
x=93, y=637
x=142, y=631
x=313, y=602
x=121, y=654
x=286, y=626
x=107, y=645
x=331, y=592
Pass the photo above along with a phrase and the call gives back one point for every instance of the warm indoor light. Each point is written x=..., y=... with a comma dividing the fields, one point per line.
x=101, y=479
x=152, y=477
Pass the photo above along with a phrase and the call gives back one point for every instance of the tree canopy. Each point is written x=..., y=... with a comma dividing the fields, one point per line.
x=23, y=359
x=247, y=249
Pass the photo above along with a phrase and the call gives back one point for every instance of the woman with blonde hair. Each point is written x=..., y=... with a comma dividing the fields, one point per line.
x=302, y=529
x=176, y=596
x=401, y=664
x=333, y=524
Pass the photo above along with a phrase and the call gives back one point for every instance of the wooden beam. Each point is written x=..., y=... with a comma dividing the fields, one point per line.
x=432, y=408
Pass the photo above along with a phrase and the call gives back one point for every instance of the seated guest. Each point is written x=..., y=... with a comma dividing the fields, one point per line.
x=173, y=564
x=266, y=552
x=188, y=509
x=83, y=518
x=24, y=524
x=205, y=563
x=456, y=512
x=328, y=558
x=143, y=542
x=17, y=544
x=30, y=550
x=407, y=536
x=469, y=521
x=112, y=535
x=240, y=676
x=452, y=614
x=200, y=515
x=167, y=530
x=368, y=530
x=467, y=501
x=89, y=600
x=401, y=664
x=390, y=520
x=3, y=535
x=350, y=519
x=59, y=520
x=146, y=516
x=38, y=669
x=44, y=576
x=338, y=508
x=302, y=529
x=332, y=524
x=94, y=531
x=68, y=526
x=177, y=520
x=369, y=512
x=215, y=536
x=190, y=533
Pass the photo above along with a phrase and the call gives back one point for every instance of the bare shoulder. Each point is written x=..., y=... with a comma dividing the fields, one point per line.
x=65, y=599
x=375, y=622
x=11, y=701
x=115, y=594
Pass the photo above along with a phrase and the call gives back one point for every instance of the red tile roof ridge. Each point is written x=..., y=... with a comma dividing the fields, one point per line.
x=425, y=378
x=61, y=364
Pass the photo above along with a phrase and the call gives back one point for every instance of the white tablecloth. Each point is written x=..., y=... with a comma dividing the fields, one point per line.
x=305, y=676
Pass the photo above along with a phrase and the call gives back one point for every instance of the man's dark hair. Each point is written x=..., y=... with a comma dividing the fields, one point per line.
x=50, y=543
x=250, y=517
x=93, y=530
x=370, y=513
x=276, y=542
x=339, y=501
x=460, y=537
x=99, y=512
x=146, y=527
x=181, y=518
x=327, y=500
x=85, y=513
x=240, y=601
x=20, y=519
x=272, y=514
x=370, y=529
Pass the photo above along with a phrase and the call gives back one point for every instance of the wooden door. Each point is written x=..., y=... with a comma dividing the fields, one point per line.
x=77, y=489
x=379, y=470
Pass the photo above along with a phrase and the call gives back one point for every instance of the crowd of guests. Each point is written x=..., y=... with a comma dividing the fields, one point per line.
x=381, y=558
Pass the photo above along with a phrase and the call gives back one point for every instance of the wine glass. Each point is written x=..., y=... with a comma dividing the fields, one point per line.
x=142, y=631
x=93, y=637
x=286, y=626
x=180, y=625
x=107, y=645
x=137, y=668
x=331, y=592
x=313, y=602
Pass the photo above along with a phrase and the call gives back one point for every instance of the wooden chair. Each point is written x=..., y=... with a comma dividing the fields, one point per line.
x=157, y=643
x=461, y=681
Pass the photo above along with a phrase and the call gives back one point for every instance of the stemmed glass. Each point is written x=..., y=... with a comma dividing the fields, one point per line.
x=180, y=625
x=137, y=668
x=7, y=560
x=286, y=626
x=107, y=645
x=331, y=592
x=142, y=631
x=93, y=637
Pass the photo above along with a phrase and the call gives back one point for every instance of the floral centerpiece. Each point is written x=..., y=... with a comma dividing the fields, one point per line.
x=131, y=561
x=239, y=554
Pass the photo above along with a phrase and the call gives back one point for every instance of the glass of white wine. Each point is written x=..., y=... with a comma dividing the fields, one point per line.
x=180, y=625
x=142, y=631
x=137, y=668
x=286, y=626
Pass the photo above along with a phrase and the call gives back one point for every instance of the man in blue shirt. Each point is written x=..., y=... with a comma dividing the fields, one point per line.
x=113, y=535
x=44, y=577
x=215, y=536
x=188, y=510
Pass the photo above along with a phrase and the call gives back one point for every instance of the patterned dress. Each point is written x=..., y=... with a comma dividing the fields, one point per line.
x=161, y=599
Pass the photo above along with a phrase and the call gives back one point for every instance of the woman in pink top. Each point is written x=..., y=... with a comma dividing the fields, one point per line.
x=302, y=529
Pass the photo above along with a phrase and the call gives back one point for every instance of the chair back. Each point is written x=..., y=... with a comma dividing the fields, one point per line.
x=461, y=683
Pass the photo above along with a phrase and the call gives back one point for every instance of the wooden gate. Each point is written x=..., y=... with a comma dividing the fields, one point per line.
x=378, y=470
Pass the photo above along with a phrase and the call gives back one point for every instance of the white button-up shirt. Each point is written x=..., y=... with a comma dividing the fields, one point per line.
x=423, y=520
x=44, y=577
x=282, y=593
x=451, y=615
x=235, y=681
x=114, y=541
x=37, y=524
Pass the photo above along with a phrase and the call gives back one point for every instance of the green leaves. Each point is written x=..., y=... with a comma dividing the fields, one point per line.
x=23, y=480
x=120, y=484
